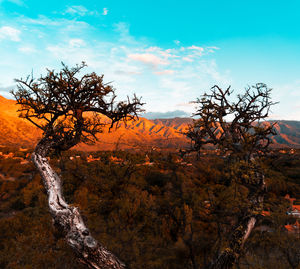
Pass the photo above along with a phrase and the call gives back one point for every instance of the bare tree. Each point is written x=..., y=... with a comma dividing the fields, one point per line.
x=236, y=129
x=67, y=107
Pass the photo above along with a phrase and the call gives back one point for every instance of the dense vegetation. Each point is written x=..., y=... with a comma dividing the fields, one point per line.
x=153, y=210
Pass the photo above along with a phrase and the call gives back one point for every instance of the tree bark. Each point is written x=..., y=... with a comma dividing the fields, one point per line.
x=229, y=256
x=68, y=219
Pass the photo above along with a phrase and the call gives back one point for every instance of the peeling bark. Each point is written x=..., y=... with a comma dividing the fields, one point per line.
x=68, y=219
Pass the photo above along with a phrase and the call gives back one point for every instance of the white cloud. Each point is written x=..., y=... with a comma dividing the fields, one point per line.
x=193, y=47
x=70, y=54
x=122, y=28
x=202, y=50
x=17, y=2
x=27, y=50
x=165, y=72
x=164, y=76
x=188, y=59
x=60, y=24
x=179, y=88
x=126, y=73
x=197, y=50
x=213, y=48
x=80, y=11
x=165, y=115
x=166, y=53
x=41, y=20
x=76, y=43
x=77, y=10
x=148, y=58
x=7, y=32
x=105, y=11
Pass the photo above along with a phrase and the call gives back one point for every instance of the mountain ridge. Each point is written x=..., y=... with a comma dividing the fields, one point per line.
x=139, y=134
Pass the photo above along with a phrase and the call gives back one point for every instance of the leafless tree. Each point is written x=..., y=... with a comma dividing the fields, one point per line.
x=68, y=108
x=235, y=128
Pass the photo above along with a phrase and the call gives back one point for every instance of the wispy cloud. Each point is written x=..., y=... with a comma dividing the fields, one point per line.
x=198, y=50
x=160, y=74
x=17, y=2
x=193, y=47
x=105, y=11
x=165, y=72
x=164, y=75
x=81, y=11
x=166, y=115
x=10, y=33
x=40, y=20
x=188, y=58
x=76, y=10
x=176, y=61
x=27, y=50
x=46, y=22
x=212, y=49
x=148, y=58
x=76, y=43
x=122, y=29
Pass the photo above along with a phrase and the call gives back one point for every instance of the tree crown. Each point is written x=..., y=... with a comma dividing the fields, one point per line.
x=235, y=127
x=67, y=107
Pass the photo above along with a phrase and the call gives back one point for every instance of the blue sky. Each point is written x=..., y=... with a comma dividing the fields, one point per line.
x=168, y=52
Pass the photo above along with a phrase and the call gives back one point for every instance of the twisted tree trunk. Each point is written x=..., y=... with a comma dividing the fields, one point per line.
x=243, y=229
x=68, y=219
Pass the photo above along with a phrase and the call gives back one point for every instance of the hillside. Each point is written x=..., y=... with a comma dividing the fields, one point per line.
x=139, y=134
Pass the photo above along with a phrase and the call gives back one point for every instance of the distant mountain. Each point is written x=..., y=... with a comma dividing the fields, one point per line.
x=288, y=133
x=165, y=115
x=139, y=134
x=14, y=130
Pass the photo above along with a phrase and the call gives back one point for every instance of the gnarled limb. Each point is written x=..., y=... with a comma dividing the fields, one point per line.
x=68, y=219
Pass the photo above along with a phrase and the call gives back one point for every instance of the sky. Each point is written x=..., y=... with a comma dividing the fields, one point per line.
x=168, y=52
